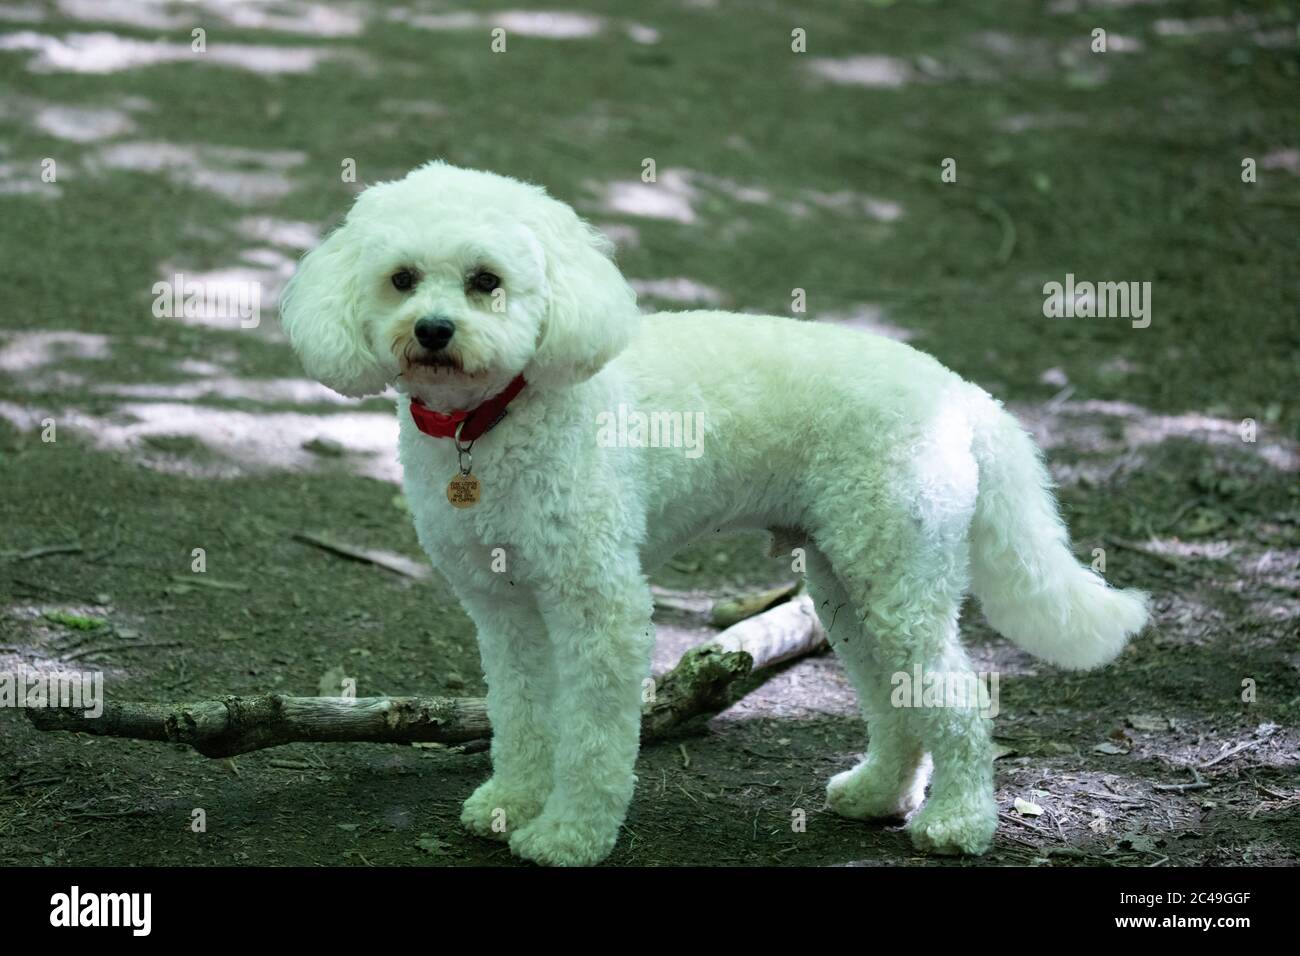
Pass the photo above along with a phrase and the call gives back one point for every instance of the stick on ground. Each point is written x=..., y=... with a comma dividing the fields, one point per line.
x=397, y=563
x=227, y=726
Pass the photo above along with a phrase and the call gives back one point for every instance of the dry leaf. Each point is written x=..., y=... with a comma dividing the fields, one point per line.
x=1151, y=722
x=331, y=682
x=1138, y=841
x=1027, y=809
x=431, y=844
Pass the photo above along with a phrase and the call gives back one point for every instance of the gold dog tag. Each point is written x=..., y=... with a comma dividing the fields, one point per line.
x=463, y=491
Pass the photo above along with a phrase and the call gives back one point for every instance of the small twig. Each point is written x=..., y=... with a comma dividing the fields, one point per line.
x=1171, y=561
x=1118, y=798
x=48, y=550
x=389, y=562
x=1003, y=835
x=42, y=586
x=1230, y=753
x=1198, y=783
x=1182, y=787
x=1023, y=822
x=1060, y=398
x=996, y=210
x=109, y=814
x=32, y=782
x=1057, y=820
x=204, y=581
x=102, y=649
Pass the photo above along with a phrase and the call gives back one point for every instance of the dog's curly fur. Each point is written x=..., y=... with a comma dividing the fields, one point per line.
x=909, y=485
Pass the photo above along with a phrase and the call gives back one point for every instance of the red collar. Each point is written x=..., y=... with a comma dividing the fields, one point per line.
x=476, y=420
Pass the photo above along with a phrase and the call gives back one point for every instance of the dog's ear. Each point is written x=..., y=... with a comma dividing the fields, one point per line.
x=320, y=312
x=591, y=314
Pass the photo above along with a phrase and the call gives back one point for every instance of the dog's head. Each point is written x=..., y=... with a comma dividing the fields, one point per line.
x=449, y=283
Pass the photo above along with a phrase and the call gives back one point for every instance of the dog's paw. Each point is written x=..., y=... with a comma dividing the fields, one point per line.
x=495, y=809
x=555, y=842
x=872, y=792
x=956, y=827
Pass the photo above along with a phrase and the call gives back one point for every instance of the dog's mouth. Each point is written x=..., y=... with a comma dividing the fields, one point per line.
x=415, y=358
x=438, y=360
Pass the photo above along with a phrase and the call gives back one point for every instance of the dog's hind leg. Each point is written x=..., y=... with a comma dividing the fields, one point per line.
x=960, y=815
x=517, y=666
x=911, y=616
x=905, y=567
x=890, y=781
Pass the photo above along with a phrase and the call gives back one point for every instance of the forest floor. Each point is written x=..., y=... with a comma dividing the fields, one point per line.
x=776, y=171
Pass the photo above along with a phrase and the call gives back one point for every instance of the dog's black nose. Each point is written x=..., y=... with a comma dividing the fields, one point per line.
x=434, y=332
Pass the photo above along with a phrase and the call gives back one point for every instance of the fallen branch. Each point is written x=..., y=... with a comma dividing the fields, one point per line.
x=227, y=726
x=700, y=682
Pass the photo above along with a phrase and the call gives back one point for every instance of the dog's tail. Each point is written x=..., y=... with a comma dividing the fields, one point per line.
x=1030, y=585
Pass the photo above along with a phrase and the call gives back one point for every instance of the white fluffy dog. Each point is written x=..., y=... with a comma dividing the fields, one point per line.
x=908, y=486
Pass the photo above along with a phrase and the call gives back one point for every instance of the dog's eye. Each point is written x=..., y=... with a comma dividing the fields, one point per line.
x=484, y=281
x=404, y=280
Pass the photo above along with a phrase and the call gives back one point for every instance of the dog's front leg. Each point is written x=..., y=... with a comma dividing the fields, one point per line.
x=517, y=666
x=601, y=633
